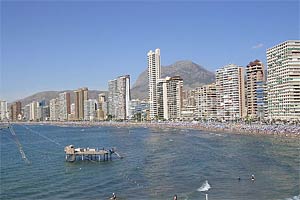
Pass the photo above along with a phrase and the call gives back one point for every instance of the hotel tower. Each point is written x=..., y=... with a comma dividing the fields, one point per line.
x=81, y=95
x=256, y=91
x=230, y=88
x=153, y=76
x=283, y=81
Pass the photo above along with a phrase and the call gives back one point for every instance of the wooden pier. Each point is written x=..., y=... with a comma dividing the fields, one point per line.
x=73, y=154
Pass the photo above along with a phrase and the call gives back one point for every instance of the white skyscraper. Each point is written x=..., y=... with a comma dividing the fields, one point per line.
x=64, y=105
x=153, y=76
x=112, y=97
x=119, y=97
x=90, y=108
x=54, y=109
x=123, y=96
x=283, y=81
x=230, y=89
x=3, y=110
x=33, y=111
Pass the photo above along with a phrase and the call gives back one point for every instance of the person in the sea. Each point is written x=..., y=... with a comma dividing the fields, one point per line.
x=239, y=178
x=114, y=197
x=252, y=177
x=175, y=197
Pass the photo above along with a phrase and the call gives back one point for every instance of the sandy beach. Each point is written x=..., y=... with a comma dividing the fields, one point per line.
x=218, y=127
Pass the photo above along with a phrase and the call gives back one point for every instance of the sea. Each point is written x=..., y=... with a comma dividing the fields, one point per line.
x=157, y=163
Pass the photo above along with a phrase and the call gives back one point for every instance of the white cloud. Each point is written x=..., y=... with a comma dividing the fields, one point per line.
x=260, y=45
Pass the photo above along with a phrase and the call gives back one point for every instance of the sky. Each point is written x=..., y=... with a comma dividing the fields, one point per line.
x=61, y=45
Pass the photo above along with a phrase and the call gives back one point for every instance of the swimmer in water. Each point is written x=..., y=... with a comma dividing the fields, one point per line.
x=175, y=197
x=114, y=197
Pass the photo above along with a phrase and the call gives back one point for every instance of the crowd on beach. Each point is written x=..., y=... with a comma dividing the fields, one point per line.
x=287, y=130
x=229, y=127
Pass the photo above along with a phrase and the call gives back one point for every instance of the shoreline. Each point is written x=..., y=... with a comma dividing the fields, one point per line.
x=291, y=131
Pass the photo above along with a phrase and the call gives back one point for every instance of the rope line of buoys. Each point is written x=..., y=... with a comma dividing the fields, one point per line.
x=132, y=181
x=43, y=136
x=16, y=139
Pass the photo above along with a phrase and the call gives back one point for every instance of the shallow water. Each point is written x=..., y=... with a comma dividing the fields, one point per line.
x=157, y=164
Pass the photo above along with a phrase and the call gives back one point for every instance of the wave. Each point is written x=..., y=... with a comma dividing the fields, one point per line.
x=204, y=187
x=293, y=198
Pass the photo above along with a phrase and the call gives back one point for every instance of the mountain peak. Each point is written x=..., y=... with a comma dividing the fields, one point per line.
x=181, y=62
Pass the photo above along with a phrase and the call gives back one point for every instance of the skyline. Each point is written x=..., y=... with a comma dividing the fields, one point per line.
x=40, y=39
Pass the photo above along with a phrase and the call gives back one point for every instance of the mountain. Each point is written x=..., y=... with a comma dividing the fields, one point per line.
x=193, y=75
x=48, y=95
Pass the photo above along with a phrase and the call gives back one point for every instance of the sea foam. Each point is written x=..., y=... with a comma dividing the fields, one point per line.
x=293, y=198
x=204, y=187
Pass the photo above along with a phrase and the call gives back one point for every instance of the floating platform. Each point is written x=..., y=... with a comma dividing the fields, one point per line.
x=73, y=154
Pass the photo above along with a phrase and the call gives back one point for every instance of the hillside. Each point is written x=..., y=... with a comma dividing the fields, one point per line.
x=48, y=95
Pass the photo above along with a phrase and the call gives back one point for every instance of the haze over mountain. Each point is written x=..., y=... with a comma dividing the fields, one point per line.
x=193, y=75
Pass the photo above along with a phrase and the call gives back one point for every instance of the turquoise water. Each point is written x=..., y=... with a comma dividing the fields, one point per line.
x=157, y=164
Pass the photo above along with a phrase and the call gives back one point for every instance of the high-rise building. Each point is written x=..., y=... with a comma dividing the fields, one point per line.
x=26, y=112
x=189, y=105
x=112, y=97
x=80, y=96
x=206, y=102
x=71, y=116
x=101, y=98
x=154, y=74
x=188, y=97
x=102, y=110
x=100, y=114
x=15, y=111
x=169, y=98
x=45, y=113
x=54, y=109
x=256, y=91
x=138, y=109
x=283, y=81
x=73, y=109
x=90, y=108
x=33, y=111
x=124, y=96
x=119, y=97
x=230, y=89
x=3, y=110
x=64, y=106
